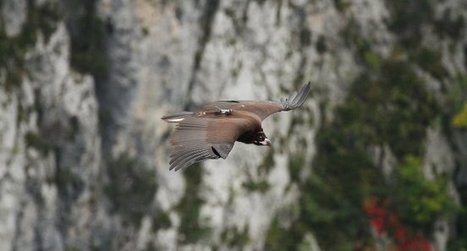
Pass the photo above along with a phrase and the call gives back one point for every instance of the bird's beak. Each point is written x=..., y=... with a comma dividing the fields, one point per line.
x=266, y=142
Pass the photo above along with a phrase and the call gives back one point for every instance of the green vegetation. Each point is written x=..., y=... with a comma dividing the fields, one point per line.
x=268, y=163
x=417, y=200
x=284, y=238
x=23, y=113
x=192, y=229
x=460, y=119
x=131, y=189
x=296, y=163
x=387, y=104
x=342, y=5
x=459, y=242
x=408, y=18
x=88, y=55
x=430, y=61
x=36, y=141
x=160, y=220
x=456, y=102
x=450, y=26
x=40, y=19
x=69, y=183
x=261, y=186
x=257, y=181
x=234, y=237
x=343, y=177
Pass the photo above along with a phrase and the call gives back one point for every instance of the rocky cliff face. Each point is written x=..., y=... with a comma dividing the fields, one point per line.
x=83, y=156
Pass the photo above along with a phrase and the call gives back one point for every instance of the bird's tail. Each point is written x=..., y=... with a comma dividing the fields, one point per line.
x=297, y=100
x=176, y=118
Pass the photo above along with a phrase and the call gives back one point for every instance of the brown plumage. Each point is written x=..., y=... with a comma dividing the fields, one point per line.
x=211, y=131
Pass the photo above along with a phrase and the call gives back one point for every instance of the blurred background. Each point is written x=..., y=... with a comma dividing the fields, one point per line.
x=375, y=160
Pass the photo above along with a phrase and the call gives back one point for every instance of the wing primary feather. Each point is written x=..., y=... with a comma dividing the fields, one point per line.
x=191, y=143
x=295, y=98
x=186, y=161
x=302, y=95
x=190, y=160
x=181, y=162
x=182, y=154
x=301, y=99
x=188, y=154
x=298, y=99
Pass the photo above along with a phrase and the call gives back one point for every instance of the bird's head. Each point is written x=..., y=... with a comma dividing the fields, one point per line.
x=261, y=139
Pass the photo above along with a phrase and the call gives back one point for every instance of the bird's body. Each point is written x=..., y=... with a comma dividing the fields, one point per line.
x=211, y=131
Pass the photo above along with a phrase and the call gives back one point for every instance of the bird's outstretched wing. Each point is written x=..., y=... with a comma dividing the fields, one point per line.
x=263, y=108
x=199, y=138
x=211, y=132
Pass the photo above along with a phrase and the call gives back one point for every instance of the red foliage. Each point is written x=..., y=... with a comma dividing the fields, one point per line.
x=385, y=222
x=376, y=214
x=417, y=243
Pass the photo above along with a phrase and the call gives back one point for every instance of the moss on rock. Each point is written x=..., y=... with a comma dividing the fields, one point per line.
x=191, y=228
x=40, y=19
x=131, y=188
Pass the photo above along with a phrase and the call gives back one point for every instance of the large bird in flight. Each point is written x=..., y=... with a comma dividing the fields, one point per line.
x=211, y=131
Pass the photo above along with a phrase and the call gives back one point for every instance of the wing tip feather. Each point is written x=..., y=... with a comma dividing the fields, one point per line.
x=296, y=100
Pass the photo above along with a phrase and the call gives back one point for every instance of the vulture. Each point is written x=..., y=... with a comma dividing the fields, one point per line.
x=211, y=131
